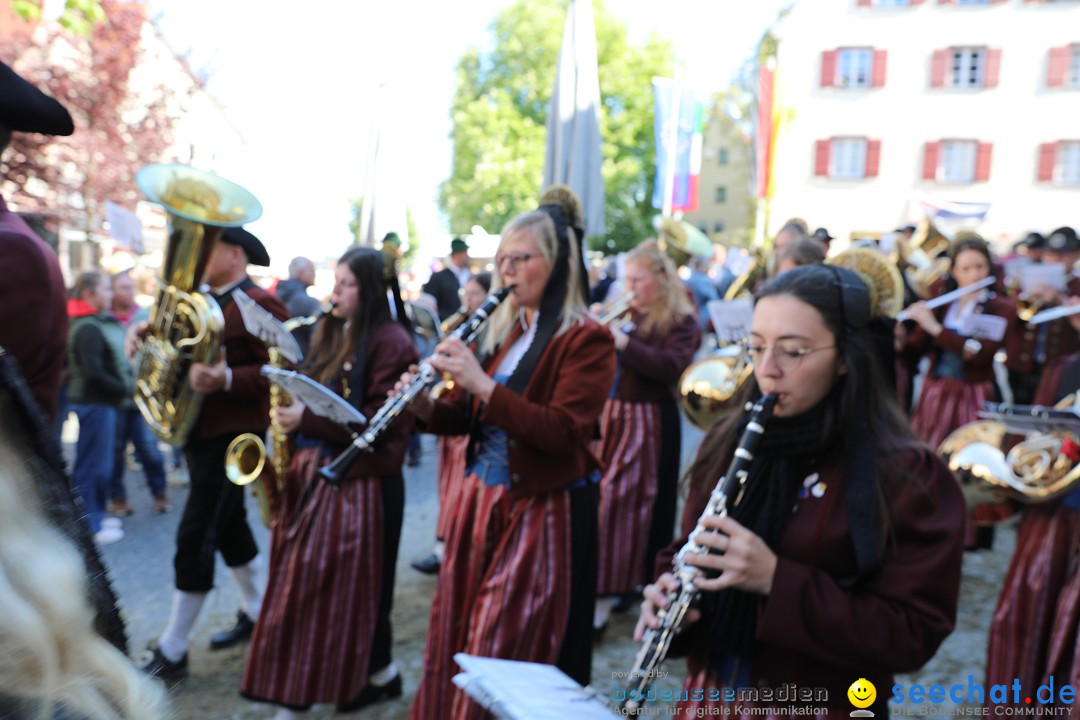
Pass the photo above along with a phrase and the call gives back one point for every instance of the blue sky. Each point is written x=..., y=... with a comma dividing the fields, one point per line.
x=299, y=79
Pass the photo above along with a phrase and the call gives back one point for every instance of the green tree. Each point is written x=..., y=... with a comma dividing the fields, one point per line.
x=500, y=111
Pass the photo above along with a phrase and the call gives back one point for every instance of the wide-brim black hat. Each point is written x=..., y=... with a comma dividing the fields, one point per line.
x=1034, y=241
x=24, y=108
x=822, y=235
x=253, y=247
x=1063, y=239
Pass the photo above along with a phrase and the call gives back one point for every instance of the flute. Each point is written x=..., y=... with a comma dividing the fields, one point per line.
x=951, y=296
x=1053, y=314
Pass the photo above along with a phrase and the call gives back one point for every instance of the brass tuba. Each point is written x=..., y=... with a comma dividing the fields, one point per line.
x=681, y=241
x=185, y=325
x=708, y=385
x=1041, y=467
x=918, y=258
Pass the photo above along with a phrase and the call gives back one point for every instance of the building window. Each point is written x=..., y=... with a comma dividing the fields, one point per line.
x=853, y=67
x=1074, y=67
x=718, y=226
x=721, y=194
x=722, y=156
x=1068, y=163
x=967, y=67
x=972, y=2
x=957, y=163
x=891, y=3
x=847, y=159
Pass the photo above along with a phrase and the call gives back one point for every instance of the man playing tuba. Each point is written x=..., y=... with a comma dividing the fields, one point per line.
x=237, y=401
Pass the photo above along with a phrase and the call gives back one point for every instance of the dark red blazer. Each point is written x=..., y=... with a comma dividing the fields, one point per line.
x=1021, y=340
x=387, y=355
x=812, y=631
x=245, y=407
x=650, y=367
x=33, y=316
x=550, y=426
x=979, y=368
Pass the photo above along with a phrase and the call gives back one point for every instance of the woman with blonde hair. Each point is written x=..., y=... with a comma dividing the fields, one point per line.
x=639, y=430
x=518, y=578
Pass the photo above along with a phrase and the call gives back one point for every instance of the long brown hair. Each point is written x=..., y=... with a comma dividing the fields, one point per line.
x=670, y=303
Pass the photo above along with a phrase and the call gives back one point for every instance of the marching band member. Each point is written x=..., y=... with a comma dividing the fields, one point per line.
x=1035, y=624
x=214, y=520
x=324, y=635
x=518, y=579
x=640, y=427
x=842, y=559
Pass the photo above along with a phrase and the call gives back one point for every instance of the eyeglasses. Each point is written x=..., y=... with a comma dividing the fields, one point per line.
x=516, y=260
x=786, y=357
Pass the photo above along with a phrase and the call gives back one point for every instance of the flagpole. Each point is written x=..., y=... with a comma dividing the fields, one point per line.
x=672, y=146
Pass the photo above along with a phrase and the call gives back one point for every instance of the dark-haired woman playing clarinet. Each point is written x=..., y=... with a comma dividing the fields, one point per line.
x=842, y=559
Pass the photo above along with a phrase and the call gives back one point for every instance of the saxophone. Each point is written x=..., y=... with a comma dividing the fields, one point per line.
x=657, y=642
x=185, y=325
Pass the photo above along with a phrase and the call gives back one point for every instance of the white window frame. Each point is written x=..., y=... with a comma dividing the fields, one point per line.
x=1067, y=167
x=891, y=3
x=967, y=68
x=854, y=67
x=957, y=161
x=1072, y=76
x=847, y=158
x=972, y=2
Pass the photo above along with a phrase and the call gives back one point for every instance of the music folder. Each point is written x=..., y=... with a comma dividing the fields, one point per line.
x=513, y=690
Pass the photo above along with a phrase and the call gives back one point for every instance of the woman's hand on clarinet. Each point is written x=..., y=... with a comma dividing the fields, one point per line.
x=422, y=406
x=454, y=357
x=742, y=558
x=288, y=416
x=656, y=598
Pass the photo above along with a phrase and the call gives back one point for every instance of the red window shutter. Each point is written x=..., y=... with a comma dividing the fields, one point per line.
x=931, y=152
x=945, y=2
x=993, y=67
x=1047, y=160
x=996, y=2
x=873, y=157
x=938, y=66
x=878, y=79
x=982, y=162
x=1058, y=66
x=864, y=3
x=821, y=158
x=916, y=2
x=828, y=68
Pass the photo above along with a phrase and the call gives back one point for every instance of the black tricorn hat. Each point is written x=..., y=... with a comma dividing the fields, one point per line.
x=822, y=235
x=253, y=247
x=1034, y=241
x=24, y=108
x=1063, y=239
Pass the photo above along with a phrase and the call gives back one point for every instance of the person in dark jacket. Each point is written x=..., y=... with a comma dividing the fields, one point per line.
x=95, y=390
x=293, y=292
x=445, y=285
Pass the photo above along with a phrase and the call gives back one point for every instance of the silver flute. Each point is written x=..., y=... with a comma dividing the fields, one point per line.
x=657, y=642
x=951, y=296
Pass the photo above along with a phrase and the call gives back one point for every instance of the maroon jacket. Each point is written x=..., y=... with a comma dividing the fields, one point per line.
x=1021, y=340
x=387, y=355
x=650, y=367
x=550, y=426
x=979, y=368
x=33, y=315
x=245, y=407
x=812, y=631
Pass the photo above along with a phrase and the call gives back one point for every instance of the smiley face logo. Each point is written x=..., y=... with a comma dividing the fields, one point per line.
x=862, y=693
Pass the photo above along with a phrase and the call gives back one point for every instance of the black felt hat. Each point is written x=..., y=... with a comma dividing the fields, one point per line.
x=24, y=108
x=458, y=245
x=253, y=247
x=822, y=235
x=1063, y=239
x=1035, y=241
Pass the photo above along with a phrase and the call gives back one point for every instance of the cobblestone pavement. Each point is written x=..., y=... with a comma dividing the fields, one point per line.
x=141, y=567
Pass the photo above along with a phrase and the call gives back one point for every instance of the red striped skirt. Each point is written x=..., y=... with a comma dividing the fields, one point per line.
x=947, y=403
x=503, y=591
x=1037, y=619
x=451, y=476
x=312, y=641
x=629, y=450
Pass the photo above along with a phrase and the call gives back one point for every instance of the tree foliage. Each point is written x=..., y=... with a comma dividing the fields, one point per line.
x=117, y=129
x=500, y=111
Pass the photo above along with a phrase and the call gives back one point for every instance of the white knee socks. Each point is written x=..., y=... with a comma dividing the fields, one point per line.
x=244, y=577
x=185, y=610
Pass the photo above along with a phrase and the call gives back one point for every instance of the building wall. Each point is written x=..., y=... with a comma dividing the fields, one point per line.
x=1016, y=116
x=734, y=214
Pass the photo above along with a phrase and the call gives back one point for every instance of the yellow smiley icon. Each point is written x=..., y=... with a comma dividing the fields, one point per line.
x=862, y=693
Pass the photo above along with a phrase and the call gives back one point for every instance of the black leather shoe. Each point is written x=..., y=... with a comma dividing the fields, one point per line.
x=429, y=565
x=162, y=667
x=372, y=694
x=238, y=633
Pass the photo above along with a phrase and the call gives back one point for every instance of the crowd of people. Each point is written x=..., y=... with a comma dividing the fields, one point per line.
x=559, y=447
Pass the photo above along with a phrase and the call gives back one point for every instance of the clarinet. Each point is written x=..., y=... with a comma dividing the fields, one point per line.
x=657, y=642
x=426, y=376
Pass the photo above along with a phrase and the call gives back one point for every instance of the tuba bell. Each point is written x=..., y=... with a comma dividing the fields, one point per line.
x=708, y=385
x=681, y=241
x=918, y=258
x=185, y=325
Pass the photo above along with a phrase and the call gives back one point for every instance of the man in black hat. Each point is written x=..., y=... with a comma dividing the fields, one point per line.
x=237, y=401
x=1034, y=245
x=1031, y=348
x=33, y=320
x=823, y=238
x=445, y=285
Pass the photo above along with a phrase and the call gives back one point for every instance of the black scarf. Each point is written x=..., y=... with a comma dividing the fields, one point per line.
x=789, y=449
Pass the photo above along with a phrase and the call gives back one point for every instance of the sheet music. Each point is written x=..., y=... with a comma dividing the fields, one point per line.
x=984, y=327
x=1051, y=275
x=513, y=690
x=318, y=398
x=731, y=319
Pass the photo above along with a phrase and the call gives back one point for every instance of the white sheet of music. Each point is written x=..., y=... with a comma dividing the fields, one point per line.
x=984, y=326
x=1050, y=274
x=731, y=319
x=513, y=690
